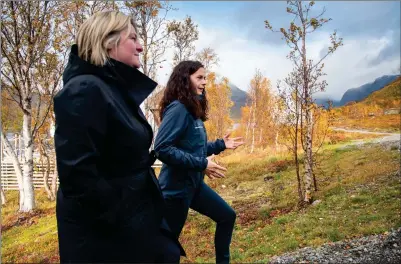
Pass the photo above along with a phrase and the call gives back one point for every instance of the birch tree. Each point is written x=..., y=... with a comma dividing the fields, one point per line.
x=219, y=102
x=11, y=121
x=289, y=92
x=208, y=57
x=32, y=60
x=183, y=34
x=308, y=72
x=74, y=13
x=260, y=117
x=152, y=25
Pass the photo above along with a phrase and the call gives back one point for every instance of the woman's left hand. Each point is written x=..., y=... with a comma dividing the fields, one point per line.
x=232, y=143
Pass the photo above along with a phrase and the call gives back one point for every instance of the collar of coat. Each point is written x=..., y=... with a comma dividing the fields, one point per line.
x=135, y=82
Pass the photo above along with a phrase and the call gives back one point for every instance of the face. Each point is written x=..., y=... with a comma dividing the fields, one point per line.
x=128, y=49
x=198, y=80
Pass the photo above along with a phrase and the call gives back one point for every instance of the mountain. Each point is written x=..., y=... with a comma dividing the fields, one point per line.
x=238, y=97
x=387, y=97
x=323, y=101
x=359, y=93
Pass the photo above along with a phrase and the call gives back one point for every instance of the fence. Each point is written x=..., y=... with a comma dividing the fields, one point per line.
x=9, y=177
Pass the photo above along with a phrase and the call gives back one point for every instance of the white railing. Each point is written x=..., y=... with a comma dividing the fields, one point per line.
x=9, y=177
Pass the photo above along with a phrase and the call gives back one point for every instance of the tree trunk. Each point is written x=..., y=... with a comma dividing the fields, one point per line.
x=3, y=196
x=314, y=182
x=17, y=167
x=308, y=156
x=276, y=140
x=300, y=193
x=46, y=174
x=28, y=203
x=308, y=117
x=247, y=128
x=253, y=131
x=54, y=179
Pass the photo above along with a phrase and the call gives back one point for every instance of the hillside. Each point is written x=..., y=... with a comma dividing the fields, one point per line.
x=356, y=197
x=387, y=97
x=379, y=111
x=239, y=97
x=359, y=93
x=324, y=102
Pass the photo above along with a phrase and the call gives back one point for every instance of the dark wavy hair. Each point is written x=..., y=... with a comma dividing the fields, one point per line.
x=179, y=87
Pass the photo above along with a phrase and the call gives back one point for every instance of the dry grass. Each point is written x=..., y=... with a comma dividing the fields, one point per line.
x=384, y=123
x=358, y=188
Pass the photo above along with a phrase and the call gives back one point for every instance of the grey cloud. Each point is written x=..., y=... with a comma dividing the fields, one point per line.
x=392, y=50
x=351, y=19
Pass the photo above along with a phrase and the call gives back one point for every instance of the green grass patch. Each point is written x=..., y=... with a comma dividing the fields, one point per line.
x=358, y=188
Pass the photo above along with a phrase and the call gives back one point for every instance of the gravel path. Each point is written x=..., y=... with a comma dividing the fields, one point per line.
x=383, y=248
x=391, y=139
x=363, y=131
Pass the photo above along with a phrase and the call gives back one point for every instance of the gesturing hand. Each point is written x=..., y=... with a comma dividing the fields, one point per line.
x=213, y=170
x=232, y=143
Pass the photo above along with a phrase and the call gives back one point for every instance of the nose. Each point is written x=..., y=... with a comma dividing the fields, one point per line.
x=203, y=81
x=139, y=47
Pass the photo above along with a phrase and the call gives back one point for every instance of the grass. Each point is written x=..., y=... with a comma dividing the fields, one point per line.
x=359, y=190
x=356, y=200
x=29, y=237
x=383, y=123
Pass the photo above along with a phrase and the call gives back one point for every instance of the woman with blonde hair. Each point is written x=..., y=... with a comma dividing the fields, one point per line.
x=109, y=204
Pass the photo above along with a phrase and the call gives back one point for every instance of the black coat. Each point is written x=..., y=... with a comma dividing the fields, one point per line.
x=109, y=204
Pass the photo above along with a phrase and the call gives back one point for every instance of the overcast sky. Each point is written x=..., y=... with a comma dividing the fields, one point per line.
x=370, y=31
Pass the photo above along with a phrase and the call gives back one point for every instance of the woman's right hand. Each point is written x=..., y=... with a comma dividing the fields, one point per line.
x=213, y=170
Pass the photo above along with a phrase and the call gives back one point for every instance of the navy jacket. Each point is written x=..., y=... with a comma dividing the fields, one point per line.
x=181, y=144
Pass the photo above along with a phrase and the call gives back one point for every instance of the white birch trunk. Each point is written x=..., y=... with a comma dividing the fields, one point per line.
x=3, y=196
x=28, y=203
x=54, y=179
x=17, y=167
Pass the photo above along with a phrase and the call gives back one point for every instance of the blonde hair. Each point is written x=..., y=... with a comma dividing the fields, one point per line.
x=99, y=33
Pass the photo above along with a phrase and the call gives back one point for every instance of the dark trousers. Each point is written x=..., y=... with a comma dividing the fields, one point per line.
x=207, y=202
x=168, y=251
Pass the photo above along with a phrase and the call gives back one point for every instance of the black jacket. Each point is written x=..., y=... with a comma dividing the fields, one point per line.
x=181, y=144
x=109, y=204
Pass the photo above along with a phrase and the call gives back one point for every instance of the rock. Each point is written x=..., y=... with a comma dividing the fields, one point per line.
x=370, y=249
x=268, y=178
x=316, y=202
x=223, y=186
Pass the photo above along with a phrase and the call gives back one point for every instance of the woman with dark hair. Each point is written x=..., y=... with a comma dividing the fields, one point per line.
x=181, y=144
